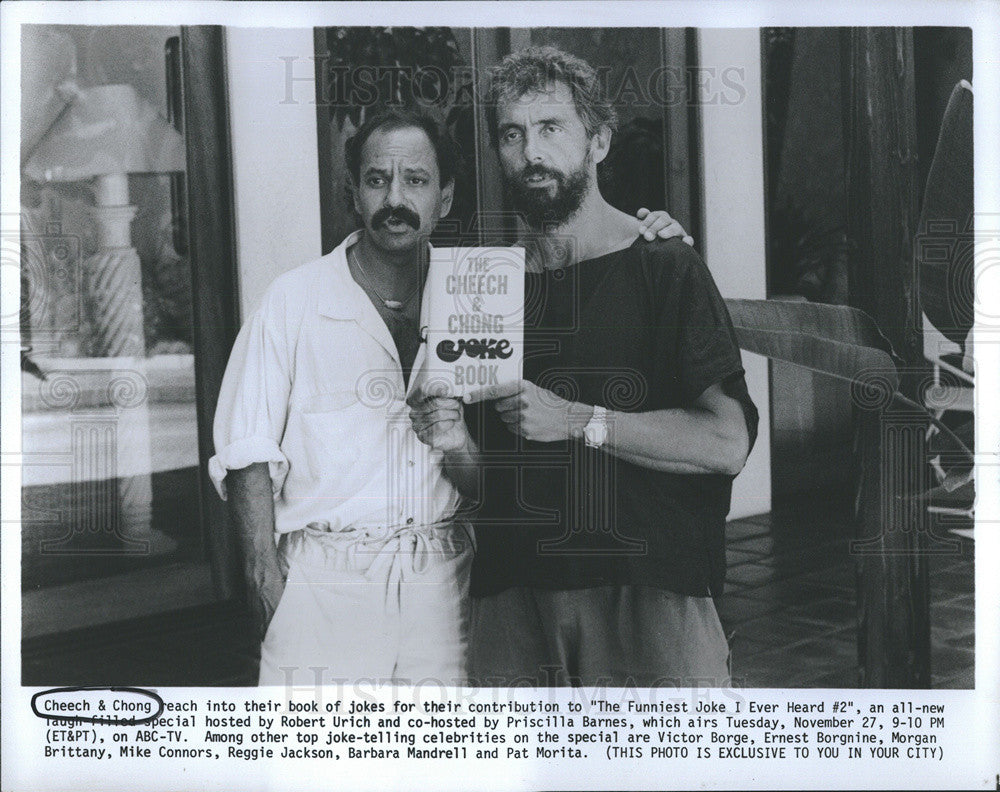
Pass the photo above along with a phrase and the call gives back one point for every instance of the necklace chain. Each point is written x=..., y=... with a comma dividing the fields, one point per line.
x=392, y=305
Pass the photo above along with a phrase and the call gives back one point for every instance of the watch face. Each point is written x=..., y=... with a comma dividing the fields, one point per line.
x=594, y=434
x=596, y=430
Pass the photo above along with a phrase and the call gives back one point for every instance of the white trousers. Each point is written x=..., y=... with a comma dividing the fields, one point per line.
x=371, y=606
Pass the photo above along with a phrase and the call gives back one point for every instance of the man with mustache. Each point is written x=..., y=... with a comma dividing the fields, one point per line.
x=314, y=447
x=606, y=472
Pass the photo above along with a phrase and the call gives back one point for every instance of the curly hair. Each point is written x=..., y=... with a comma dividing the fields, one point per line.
x=537, y=69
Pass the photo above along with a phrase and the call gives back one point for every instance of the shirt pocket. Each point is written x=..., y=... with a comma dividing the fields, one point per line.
x=344, y=439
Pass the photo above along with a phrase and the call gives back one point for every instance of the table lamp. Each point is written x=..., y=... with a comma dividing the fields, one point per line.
x=106, y=133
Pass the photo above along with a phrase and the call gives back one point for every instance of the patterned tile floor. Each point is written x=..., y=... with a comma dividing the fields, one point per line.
x=790, y=604
x=789, y=609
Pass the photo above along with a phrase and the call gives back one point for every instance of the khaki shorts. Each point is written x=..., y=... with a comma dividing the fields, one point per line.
x=616, y=636
x=371, y=605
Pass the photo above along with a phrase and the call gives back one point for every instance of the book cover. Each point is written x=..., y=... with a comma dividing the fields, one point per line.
x=475, y=322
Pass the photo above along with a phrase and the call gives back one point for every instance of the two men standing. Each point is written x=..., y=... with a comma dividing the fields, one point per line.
x=312, y=413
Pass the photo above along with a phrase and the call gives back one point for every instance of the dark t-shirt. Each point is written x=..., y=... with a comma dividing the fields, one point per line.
x=636, y=330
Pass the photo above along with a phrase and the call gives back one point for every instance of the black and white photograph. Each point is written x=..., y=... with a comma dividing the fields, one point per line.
x=555, y=396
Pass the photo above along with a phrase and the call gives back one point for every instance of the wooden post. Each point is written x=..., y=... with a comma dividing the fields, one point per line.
x=882, y=194
x=212, y=243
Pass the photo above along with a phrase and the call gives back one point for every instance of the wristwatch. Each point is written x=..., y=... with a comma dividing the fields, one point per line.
x=596, y=430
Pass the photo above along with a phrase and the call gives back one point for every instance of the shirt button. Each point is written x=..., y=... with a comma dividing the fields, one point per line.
x=409, y=521
x=410, y=463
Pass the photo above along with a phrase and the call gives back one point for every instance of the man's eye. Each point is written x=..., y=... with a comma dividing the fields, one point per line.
x=375, y=181
x=418, y=180
x=511, y=135
x=550, y=128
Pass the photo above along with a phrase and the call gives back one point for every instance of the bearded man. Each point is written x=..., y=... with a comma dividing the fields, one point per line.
x=604, y=476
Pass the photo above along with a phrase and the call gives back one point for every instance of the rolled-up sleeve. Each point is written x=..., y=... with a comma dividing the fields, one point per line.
x=253, y=401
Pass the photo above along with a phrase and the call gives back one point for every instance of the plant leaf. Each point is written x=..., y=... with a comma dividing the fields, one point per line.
x=956, y=479
x=943, y=444
x=961, y=494
x=944, y=247
x=830, y=339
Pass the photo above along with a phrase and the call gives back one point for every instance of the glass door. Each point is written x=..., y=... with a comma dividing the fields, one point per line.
x=116, y=523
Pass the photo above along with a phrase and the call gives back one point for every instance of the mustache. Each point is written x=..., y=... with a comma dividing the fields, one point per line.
x=540, y=170
x=400, y=213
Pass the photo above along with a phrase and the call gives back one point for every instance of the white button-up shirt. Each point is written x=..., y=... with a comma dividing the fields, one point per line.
x=314, y=387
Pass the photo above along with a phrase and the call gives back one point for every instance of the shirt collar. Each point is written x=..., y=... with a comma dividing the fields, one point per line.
x=342, y=297
x=339, y=295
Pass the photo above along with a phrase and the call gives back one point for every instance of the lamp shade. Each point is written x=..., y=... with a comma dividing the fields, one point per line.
x=107, y=129
x=48, y=60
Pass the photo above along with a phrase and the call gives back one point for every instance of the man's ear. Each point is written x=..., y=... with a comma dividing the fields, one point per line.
x=447, y=196
x=600, y=144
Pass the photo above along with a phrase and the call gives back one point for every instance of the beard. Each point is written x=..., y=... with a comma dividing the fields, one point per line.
x=540, y=207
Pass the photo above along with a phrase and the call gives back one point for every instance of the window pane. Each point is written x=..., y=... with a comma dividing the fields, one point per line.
x=110, y=481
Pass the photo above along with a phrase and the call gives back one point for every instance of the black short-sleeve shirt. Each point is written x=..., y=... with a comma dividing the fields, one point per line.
x=640, y=329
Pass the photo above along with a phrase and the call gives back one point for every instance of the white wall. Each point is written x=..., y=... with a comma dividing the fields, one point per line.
x=733, y=167
x=275, y=166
